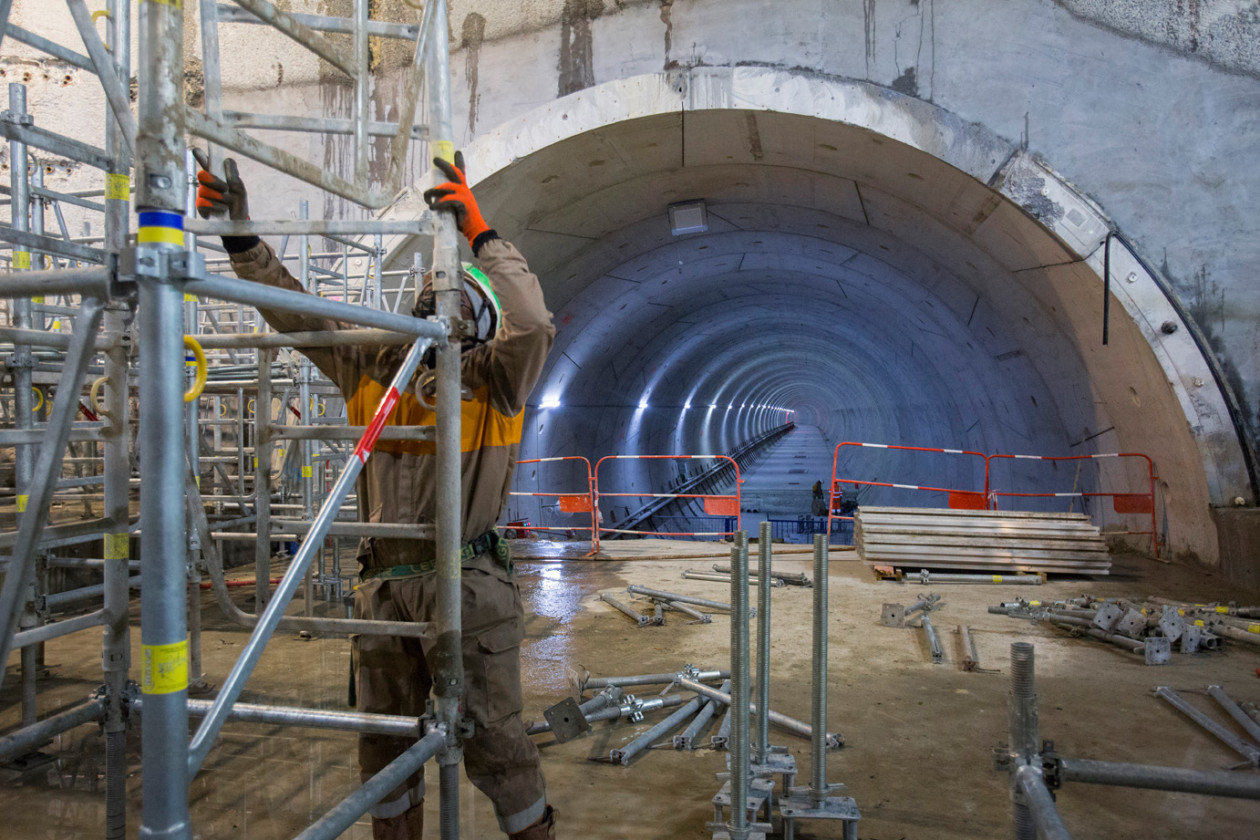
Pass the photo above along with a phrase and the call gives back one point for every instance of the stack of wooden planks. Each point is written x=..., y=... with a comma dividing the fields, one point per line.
x=989, y=540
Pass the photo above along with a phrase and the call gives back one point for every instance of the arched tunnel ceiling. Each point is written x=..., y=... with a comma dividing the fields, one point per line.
x=887, y=277
x=874, y=288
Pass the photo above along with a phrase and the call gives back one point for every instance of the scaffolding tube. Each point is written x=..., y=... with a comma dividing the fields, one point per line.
x=1153, y=777
x=31, y=737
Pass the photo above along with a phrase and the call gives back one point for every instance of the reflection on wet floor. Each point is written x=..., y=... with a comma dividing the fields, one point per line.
x=554, y=592
x=896, y=709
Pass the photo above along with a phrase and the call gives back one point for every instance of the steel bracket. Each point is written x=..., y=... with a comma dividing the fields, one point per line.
x=14, y=118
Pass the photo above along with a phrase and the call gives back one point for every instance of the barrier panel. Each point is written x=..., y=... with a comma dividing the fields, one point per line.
x=714, y=504
x=1121, y=503
x=801, y=530
x=567, y=502
x=957, y=498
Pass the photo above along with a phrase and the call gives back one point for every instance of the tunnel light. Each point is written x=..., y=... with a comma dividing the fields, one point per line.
x=688, y=217
x=550, y=402
x=643, y=402
x=687, y=406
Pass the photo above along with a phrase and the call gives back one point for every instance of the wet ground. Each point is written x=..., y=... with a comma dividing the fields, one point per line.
x=919, y=736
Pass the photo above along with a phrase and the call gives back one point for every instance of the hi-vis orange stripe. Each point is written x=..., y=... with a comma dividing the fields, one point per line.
x=480, y=425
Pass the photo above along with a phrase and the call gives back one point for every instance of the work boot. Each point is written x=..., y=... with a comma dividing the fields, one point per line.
x=544, y=829
x=409, y=825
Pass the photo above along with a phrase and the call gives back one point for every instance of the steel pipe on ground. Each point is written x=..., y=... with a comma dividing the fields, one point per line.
x=650, y=679
x=834, y=739
x=1153, y=777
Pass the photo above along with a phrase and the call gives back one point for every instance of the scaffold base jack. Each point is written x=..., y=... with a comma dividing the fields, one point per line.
x=758, y=804
x=800, y=804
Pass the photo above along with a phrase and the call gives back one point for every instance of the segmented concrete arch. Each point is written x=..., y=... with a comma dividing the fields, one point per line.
x=875, y=264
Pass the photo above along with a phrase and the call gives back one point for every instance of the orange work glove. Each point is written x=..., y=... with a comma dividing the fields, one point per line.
x=220, y=197
x=455, y=196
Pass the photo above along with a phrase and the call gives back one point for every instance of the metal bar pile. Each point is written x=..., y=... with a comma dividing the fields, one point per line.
x=569, y=719
x=1248, y=748
x=897, y=615
x=1144, y=627
x=999, y=541
x=1035, y=771
x=661, y=602
x=780, y=578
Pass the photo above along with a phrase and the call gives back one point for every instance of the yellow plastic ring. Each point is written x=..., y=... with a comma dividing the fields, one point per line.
x=199, y=382
x=223, y=411
x=317, y=407
x=249, y=406
x=94, y=392
x=39, y=404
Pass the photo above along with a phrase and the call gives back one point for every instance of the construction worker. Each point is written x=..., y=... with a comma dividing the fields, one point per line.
x=500, y=366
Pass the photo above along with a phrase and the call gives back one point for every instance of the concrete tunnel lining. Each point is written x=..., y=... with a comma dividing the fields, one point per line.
x=930, y=210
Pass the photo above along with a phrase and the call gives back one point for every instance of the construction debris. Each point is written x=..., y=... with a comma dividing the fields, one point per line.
x=1145, y=627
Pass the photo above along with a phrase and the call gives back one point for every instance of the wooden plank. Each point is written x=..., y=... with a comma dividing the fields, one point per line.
x=979, y=545
x=968, y=542
x=990, y=525
x=979, y=514
x=995, y=553
x=953, y=560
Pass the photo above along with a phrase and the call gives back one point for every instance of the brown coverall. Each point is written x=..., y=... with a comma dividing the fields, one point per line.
x=393, y=675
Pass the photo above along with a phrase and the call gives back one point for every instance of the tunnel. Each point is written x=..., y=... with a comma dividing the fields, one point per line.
x=869, y=265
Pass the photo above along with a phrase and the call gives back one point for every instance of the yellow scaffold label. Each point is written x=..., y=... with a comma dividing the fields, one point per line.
x=307, y=472
x=997, y=578
x=118, y=187
x=117, y=546
x=445, y=150
x=39, y=299
x=1198, y=622
x=22, y=501
x=165, y=668
x=178, y=4
x=189, y=298
x=1253, y=628
x=1222, y=609
x=21, y=259
x=158, y=234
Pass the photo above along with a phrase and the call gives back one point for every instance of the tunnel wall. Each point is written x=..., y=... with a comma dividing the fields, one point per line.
x=1146, y=110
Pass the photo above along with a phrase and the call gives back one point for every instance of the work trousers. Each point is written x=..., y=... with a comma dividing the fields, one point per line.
x=394, y=676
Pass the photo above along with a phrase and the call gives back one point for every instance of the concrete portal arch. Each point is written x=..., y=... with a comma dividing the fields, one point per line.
x=935, y=284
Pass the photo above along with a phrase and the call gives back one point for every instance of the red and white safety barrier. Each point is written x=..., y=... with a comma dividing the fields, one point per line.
x=1123, y=503
x=715, y=504
x=568, y=502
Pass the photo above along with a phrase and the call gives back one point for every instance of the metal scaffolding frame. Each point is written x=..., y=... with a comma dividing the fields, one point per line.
x=153, y=297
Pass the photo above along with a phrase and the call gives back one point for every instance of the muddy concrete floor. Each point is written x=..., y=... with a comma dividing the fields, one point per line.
x=919, y=736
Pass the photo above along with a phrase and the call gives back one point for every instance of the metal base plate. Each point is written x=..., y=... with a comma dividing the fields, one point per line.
x=803, y=807
x=760, y=800
x=1158, y=650
x=893, y=615
x=566, y=719
x=723, y=834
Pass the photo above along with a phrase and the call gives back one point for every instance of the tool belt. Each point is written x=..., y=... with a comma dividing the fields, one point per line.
x=488, y=543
